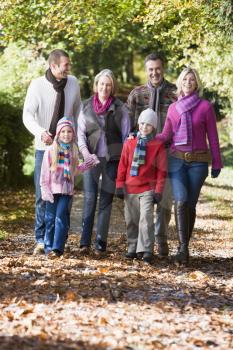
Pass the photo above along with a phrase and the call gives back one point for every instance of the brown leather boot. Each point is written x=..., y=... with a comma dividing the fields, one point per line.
x=182, y=226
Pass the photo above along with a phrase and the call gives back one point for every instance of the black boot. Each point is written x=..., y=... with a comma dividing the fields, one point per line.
x=182, y=226
x=192, y=218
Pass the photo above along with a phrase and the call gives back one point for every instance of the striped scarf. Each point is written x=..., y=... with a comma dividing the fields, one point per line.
x=64, y=159
x=184, y=106
x=139, y=157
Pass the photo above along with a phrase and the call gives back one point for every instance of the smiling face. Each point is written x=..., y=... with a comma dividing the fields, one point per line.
x=154, y=71
x=145, y=129
x=66, y=134
x=104, y=88
x=61, y=70
x=189, y=84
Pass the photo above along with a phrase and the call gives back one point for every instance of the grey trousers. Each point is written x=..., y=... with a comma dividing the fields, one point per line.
x=163, y=214
x=139, y=217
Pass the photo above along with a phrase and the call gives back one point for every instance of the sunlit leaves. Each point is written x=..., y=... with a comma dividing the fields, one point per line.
x=79, y=22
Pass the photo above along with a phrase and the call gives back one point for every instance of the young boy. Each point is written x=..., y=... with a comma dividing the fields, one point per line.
x=141, y=176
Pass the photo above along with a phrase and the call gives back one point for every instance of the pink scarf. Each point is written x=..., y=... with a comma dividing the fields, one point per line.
x=100, y=108
x=184, y=107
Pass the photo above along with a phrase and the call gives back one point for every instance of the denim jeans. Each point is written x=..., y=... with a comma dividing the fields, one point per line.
x=57, y=223
x=187, y=179
x=39, y=204
x=91, y=179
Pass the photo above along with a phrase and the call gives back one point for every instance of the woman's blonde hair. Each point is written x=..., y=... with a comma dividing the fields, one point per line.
x=109, y=74
x=179, y=81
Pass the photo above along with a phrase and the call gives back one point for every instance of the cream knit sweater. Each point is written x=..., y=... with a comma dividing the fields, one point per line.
x=39, y=105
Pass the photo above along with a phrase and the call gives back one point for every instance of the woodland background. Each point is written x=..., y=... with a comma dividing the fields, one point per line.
x=110, y=303
x=115, y=34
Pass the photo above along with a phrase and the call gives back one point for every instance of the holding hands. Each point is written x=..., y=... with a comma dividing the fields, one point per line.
x=46, y=138
x=89, y=163
x=90, y=160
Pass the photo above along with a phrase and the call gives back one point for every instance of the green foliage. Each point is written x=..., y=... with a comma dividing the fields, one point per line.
x=14, y=141
x=214, y=63
x=17, y=67
x=182, y=25
x=109, y=34
x=78, y=22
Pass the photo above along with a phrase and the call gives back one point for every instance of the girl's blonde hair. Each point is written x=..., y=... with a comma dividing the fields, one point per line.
x=179, y=81
x=109, y=74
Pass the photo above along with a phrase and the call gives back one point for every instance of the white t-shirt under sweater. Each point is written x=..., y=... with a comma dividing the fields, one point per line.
x=39, y=106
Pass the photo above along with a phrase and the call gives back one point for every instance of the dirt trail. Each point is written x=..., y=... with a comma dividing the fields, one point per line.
x=109, y=303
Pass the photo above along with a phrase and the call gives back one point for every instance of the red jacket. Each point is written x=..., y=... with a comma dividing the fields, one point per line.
x=151, y=175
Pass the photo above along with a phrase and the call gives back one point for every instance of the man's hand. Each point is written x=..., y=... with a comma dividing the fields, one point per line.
x=120, y=193
x=46, y=138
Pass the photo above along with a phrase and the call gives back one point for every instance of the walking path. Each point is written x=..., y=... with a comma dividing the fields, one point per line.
x=109, y=303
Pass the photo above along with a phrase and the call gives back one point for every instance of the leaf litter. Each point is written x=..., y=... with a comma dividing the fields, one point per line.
x=90, y=302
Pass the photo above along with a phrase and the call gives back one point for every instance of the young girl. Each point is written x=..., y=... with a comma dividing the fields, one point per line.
x=141, y=177
x=60, y=165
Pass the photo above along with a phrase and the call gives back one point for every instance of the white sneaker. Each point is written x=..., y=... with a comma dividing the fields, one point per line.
x=39, y=249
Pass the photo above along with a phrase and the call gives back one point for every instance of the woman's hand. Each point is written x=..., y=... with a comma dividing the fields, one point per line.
x=215, y=173
x=91, y=161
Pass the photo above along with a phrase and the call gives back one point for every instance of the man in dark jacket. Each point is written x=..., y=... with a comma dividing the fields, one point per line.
x=156, y=94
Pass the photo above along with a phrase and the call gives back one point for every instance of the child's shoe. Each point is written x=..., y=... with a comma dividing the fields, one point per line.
x=140, y=256
x=84, y=250
x=163, y=250
x=39, y=249
x=147, y=257
x=131, y=255
x=54, y=254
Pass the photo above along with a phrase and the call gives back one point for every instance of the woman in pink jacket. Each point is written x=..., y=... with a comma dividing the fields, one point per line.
x=190, y=122
x=60, y=165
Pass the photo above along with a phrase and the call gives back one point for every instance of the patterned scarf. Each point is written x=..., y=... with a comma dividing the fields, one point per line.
x=184, y=106
x=156, y=92
x=64, y=159
x=139, y=157
x=100, y=108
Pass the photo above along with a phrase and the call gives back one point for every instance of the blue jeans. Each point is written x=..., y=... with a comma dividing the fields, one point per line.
x=91, y=178
x=39, y=204
x=187, y=179
x=57, y=223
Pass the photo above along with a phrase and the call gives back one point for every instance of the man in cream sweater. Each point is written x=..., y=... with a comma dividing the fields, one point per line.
x=49, y=98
